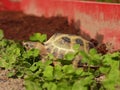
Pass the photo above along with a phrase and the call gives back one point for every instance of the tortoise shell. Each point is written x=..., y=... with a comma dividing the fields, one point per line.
x=60, y=44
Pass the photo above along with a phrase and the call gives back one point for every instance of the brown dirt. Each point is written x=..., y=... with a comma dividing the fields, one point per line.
x=18, y=26
x=10, y=83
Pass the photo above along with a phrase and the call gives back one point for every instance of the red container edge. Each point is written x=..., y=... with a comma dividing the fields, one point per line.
x=95, y=18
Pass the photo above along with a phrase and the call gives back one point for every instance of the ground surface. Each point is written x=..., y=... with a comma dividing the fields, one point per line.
x=18, y=26
x=10, y=83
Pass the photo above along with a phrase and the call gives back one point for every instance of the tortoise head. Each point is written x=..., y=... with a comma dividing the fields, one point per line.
x=35, y=45
x=29, y=45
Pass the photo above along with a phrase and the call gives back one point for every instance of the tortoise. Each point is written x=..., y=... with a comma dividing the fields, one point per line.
x=59, y=45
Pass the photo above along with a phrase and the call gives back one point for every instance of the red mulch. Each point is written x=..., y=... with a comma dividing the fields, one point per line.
x=19, y=26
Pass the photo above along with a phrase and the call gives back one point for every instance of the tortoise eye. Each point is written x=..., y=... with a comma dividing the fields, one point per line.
x=28, y=45
x=79, y=41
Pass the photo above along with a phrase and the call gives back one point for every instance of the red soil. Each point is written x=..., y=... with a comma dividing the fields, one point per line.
x=18, y=26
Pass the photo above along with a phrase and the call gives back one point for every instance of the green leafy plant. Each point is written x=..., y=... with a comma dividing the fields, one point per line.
x=38, y=37
x=1, y=34
x=99, y=72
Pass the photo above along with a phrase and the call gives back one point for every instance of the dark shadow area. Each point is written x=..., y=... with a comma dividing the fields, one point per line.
x=97, y=41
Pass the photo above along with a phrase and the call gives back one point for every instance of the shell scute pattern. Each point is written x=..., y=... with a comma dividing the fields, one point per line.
x=61, y=44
